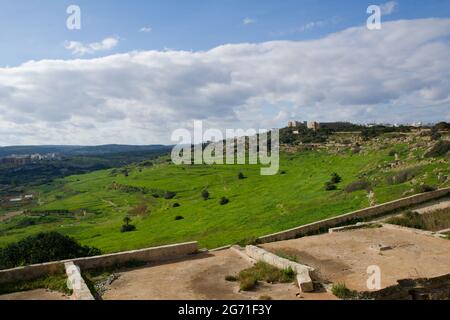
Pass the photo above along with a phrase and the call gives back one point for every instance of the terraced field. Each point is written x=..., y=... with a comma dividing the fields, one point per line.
x=165, y=201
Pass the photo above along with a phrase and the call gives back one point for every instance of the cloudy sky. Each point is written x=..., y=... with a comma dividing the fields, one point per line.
x=134, y=73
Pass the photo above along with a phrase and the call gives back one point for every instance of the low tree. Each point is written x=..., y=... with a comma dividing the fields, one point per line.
x=43, y=247
x=224, y=201
x=127, y=226
x=335, y=178
x=205, y=194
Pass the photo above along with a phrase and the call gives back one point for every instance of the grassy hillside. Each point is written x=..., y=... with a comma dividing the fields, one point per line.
x=91, y=207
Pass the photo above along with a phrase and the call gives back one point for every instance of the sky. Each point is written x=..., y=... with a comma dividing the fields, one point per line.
x=138, y=70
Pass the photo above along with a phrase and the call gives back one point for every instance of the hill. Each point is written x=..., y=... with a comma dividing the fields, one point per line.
x=166, y=205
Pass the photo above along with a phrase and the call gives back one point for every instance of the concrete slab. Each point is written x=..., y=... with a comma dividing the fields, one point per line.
x=345, y=256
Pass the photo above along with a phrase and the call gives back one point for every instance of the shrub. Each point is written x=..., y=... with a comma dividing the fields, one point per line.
x=402, y=176
x=335, y=178
x=43, y=247
x=329, y=186
x=433, y=221
x=205, y=194
x=424, y=188
x=341, y=291
x=169, y=195
x=358, y=185
x=177, y=218
x=241, y=176
x=262, y=271
x=140, y=209
x=176, y=205
x=127, y=228
x=439, y=150
x=224, y=201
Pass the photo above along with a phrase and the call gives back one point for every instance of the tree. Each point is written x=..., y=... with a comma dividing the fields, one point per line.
x=43, y=247
x=224, y=201
x=335, y=178
x=205, y=194
x=127, y=227
x=241, y=176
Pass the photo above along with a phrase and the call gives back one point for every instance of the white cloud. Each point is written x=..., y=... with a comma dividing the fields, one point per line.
x=146, y=29
x=140, y=97
x=389, y=7
x=78, y=48
x=248, y=21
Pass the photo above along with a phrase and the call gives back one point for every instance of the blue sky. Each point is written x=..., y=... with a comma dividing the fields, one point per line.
x=35, y=30
x=230, y=63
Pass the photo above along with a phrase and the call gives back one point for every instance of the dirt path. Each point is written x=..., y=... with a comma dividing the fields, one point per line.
x=10, y=215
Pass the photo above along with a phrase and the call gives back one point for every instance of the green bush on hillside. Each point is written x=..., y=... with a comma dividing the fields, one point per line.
x=439, y=150
x=43, y=247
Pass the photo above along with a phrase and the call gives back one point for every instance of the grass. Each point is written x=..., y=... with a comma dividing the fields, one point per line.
x=54, y=283
x=341, y=291
x=286, y=255
x=258, y=205
x=261, y=271
x=433, y=221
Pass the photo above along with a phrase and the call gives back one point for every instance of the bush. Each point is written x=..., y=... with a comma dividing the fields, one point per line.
x=402, y=176
x=224, y=201
x=329, y=186
x=335, y=178
x=177, y=218
x=241, y=176
x=176, y=205
x=205, y=194
x=262, y=271
x=341, y=291
x=424, y=188
x=140, y=209
x=127, y=228
x=43, y=247
x=358, y=185
x=169, y=195
x=439, y=150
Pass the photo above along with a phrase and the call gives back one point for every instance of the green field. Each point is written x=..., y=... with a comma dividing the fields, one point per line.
x=258, y=205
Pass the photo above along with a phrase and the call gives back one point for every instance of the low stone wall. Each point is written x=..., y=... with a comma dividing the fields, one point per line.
x=304, y=280
x=360, y=214
x=155, y=254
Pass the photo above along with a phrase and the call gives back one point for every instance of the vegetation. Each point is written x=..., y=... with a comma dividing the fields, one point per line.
x=127, y=227
x=95, y=204
x=224, y=201
x=54, y=283
x=43, y=247
x=262, y=271
x=358, y=185
x=341, y=291
x=286, y=255
x=205, y=194
x=434, y=221
x=439, y=150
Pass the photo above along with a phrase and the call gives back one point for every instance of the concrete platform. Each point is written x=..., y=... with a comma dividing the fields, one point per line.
x=345, y=256
x=200, y=277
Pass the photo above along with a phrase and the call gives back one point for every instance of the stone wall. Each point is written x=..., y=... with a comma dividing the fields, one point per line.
x=155, y=254
x=360, y=214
